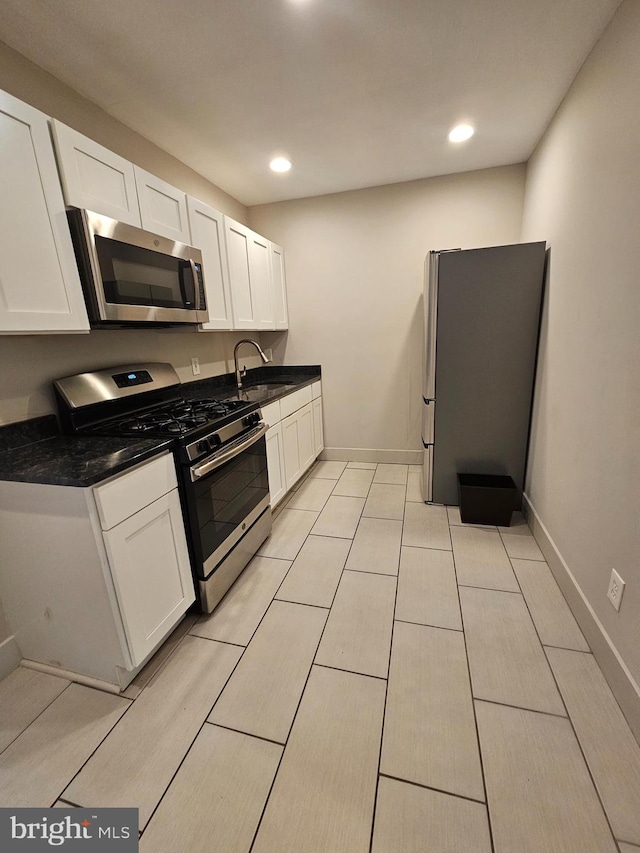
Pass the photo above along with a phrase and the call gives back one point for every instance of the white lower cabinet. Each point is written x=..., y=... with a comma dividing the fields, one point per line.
x=291, y=449
x=293, y=441
x=100, y=575
x=305, y=434
x=275, y=464
x=318, y=432
x=150, y=569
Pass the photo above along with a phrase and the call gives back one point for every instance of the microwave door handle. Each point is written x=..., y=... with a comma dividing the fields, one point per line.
x=219, y=459
x=188, y=290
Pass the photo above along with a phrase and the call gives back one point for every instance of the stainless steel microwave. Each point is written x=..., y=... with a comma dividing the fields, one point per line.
x=130, y=276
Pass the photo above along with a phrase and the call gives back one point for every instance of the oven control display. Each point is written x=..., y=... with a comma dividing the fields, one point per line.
x=127, y=380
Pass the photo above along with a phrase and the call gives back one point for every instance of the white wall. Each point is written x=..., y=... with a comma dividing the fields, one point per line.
x=354, y=265
x=583, y=197
x=31, y=363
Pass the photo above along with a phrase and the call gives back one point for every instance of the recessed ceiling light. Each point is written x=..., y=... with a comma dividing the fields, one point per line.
x=280, y=164
x=461, y=132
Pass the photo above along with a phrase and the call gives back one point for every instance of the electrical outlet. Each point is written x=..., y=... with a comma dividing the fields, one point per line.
x=195, y=366
x=616, y=589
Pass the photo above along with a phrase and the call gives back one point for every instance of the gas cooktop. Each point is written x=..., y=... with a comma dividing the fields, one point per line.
x=147, y=400
x=174, y=419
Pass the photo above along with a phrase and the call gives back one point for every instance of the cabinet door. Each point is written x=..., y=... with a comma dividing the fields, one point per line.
x=291, y=447
x=279, y=288
x=151, y=573
x=260, y=275
x=249, y=277
x=163, y=208
x=39, y=286
x=275, y=464
x=318, y=432
x=94, y=177
x=237, y=238
x=305, y=433
x=207, y=234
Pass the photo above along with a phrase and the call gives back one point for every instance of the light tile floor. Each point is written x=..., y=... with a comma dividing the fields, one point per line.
x=381, y=679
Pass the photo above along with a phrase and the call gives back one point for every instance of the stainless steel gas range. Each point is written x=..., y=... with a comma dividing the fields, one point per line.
x=220, y=452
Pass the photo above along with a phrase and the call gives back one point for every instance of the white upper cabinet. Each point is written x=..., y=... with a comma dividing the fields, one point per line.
x=279, y=288
x=249, y=277
x=39, y=286
x=207, y=234
x=163, y=208
x=261, y=282
x=94, y=177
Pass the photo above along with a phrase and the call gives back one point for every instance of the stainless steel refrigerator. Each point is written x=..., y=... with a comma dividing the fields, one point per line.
x=482, y=314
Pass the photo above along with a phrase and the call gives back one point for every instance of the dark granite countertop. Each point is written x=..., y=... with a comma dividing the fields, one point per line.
x=283, y=381
x=75, y=460
x=33, y=451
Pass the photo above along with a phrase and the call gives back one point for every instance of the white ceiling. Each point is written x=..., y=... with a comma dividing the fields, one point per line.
x=357, y=93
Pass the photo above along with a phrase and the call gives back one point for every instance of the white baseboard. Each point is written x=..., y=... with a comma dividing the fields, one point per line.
x=359, y=454
x=10, y=656
x=624, y=687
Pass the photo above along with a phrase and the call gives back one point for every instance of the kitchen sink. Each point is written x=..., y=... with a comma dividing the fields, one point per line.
x=267, y=386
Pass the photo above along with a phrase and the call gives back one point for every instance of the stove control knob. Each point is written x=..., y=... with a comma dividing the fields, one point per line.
x=202, y=446
x=251, y=419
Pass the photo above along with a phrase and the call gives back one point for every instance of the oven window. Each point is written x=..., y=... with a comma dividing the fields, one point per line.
x=227, y=495
x=135, y=276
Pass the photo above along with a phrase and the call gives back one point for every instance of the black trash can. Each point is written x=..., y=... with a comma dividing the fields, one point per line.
x=487, y=499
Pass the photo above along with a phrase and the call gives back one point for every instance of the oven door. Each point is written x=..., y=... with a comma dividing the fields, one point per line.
x=225, y=494
x=131, y=275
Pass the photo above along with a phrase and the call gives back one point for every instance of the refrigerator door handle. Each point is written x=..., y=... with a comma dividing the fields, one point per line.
x=427, y=473
x=428, y=421
x=431, y=317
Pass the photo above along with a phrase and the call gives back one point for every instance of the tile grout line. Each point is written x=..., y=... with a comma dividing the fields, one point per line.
x=177, y=770
x=567, y=649
x=520, y=708
x=190, y=747
x=429, y=625
x=365, y=572
x=489, y=588
x=568, y=717
x=386, y=691
x=431, y=788
x=93, y=751
x=301, y=603
x=130, y=701
x=247, y=734
x=68, y=803
x=48, y=705
x=166, y=660
x=350, y=671
x=473, y=706
x=293, y=721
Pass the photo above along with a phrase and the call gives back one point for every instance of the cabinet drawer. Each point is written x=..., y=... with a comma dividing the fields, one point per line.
x=271, y=413
x=119, y=498
x=292, y=402
x=316, y=390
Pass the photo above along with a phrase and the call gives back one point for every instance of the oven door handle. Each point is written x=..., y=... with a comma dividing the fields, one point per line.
x=224, y=456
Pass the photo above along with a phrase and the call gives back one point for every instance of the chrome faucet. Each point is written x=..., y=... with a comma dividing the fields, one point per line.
x=240, y=375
